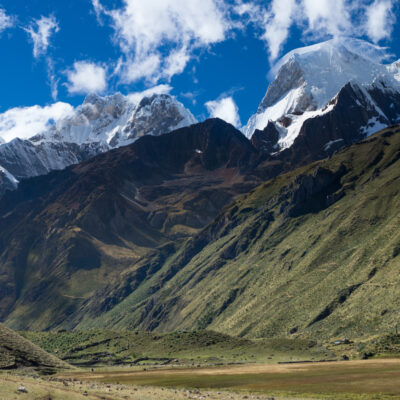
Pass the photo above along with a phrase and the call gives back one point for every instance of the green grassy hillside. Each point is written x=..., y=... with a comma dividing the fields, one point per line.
x=312, y=253
x=16, y=352
x=102, y=347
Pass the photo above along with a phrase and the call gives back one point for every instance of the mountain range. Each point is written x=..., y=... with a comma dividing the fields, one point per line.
x=322, y=98
x=98, y=125
x=135, y=216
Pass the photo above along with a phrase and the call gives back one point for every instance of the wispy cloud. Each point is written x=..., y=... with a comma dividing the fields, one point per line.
x=40, y=32
x=320, y=19
x=5, y=20
x=52, y=77
x=278, y=21
x=135, y=97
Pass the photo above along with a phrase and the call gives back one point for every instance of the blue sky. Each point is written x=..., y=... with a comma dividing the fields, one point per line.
x=203, y=51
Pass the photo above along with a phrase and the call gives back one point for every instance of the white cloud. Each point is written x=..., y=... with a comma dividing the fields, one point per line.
x=327, y=18
x=160, y=89
x=176, y=62
x=40, y=32
x=147, y=67
x=98, y=9
x=226, y=109
x=380, y=20
x=278, y=22
x=26, y=122
x=86, y=77
x=320, y=19
x=53, y=80
x=158, y=37
x=5, y=20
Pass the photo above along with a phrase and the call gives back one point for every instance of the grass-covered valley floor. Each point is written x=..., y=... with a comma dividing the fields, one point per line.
x=371, y=379
x=71, y=388
x=102, y=347
x=203, y=364
x=357, y=379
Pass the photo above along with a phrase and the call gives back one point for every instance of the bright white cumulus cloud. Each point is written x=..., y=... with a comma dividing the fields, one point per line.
x=86, y=77
x=40, y=32
x=324, y=17
x=25, y=122
x=158, y=37
x=226, y=109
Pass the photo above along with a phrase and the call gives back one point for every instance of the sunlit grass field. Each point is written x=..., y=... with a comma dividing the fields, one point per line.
x=370, y=379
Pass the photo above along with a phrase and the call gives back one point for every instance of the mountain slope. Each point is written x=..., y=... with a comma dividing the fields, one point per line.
x=16, y=352
x=314, y=252
x=349, y=94
x=143, y=237
x=67, y=234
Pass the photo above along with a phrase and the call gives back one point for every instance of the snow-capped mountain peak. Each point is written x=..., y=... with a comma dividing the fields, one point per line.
x=320, y=71
x=114, y=120
x=308, y=79
x=96, y=126
x=154, y=114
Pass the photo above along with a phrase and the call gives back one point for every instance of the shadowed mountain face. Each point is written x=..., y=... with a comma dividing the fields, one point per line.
x=65, y=235
x=352, y=115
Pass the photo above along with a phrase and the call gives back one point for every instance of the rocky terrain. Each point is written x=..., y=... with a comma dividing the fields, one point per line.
x=76, y=230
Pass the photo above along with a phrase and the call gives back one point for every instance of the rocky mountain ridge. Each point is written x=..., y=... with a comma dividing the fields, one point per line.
x=201, y=227
x=98, y=125
x=143, y=237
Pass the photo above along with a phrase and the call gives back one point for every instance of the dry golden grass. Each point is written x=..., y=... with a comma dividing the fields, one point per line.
x=369, y=379
x=69, y=389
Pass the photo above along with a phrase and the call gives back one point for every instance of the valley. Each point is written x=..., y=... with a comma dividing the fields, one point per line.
x=340, y=380
x=204, y=364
